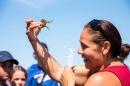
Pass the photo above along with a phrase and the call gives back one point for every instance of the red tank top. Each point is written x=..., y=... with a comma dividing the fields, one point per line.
x=122, y=72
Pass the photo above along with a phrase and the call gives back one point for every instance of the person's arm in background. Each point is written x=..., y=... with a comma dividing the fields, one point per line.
x=50, y=65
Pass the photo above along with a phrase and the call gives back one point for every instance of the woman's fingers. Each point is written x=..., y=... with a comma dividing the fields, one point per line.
x=31, y=27
x=28, y=22
x=67, y=77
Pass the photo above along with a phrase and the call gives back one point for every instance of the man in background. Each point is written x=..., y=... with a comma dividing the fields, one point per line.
x=6, y=67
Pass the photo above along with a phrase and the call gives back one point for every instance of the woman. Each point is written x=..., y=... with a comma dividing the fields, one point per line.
x=102, y=51
x=47, y=62
x=19, y=76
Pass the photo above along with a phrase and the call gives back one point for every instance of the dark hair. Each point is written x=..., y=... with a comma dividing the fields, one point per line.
x=125, y=49
x=104, y=30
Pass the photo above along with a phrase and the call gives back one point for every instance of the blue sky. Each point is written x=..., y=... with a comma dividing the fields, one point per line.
x=68, y=16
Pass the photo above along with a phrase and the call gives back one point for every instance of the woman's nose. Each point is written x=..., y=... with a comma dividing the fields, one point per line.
x=80, y=51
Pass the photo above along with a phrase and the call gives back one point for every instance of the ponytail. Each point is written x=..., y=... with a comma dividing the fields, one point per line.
x=124, y=52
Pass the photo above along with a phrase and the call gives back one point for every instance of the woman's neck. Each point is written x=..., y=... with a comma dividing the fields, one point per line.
x=108, y=62
x=111, y=62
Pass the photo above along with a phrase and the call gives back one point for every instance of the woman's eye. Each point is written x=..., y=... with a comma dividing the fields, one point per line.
x=83, y=46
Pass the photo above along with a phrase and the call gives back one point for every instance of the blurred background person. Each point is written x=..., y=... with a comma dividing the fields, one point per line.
x=6, y=67
x=19, y=76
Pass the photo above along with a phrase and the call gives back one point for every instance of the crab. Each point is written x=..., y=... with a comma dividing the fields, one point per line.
x=40, y=24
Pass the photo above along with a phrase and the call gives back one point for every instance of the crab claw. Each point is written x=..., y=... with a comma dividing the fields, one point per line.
x=29, y=21
x=42, y=24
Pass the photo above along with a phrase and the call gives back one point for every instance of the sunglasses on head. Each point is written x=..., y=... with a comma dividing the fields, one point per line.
x=96, y=26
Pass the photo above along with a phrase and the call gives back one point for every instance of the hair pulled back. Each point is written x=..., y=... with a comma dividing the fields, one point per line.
x=106, y=31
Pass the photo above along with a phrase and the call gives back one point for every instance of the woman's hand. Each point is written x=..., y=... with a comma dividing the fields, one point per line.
x=67, y=77
x=33, y=29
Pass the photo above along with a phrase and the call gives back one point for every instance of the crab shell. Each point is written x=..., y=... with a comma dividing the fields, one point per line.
x=40, y=24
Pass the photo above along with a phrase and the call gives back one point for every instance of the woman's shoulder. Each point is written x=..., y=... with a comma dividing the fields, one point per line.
x=103, y=79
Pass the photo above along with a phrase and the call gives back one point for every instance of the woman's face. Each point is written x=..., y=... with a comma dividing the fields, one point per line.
x=18, y=78
x=90, y=51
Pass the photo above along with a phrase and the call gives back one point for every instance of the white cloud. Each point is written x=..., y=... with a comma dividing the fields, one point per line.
x=36, y=3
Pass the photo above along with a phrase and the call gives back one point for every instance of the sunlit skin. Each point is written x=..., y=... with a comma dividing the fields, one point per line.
x=19, y=78
x=52, y=66
x=91, y=53
x=96, y=53
x=96, y=58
